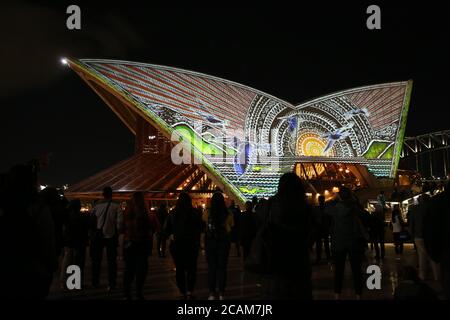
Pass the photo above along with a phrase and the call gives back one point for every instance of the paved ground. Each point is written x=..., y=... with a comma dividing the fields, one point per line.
x=160, y=283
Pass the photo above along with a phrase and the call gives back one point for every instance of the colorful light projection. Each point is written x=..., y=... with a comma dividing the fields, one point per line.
x=313, y=145
x=245, y=138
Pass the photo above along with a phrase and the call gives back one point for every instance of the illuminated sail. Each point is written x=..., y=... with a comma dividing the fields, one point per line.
x=244, y=138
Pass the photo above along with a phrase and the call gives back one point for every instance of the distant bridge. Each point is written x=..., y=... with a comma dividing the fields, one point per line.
x=428, y=154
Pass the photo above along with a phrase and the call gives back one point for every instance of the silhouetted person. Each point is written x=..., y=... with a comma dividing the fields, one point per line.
x=27, y=236
x=76, y=239
x=416, y=223
x=381, y=199
x=235, y=230
x=184, y=226
x=107, y=221
x=290, y=220
x=57, y=206
x=377, y=232
x=254, y=203
x=137, y=244
x=260, y=211
x=437, y=236
x=161, y=236
x=248, y=228
x=395, y=195
x=322, y=230
x=397, y=227
x=347, y=240
x=156, y=226
x=412, y=288
x=219, y=222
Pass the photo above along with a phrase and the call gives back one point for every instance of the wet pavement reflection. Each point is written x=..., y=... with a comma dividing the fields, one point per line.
x=160, y=283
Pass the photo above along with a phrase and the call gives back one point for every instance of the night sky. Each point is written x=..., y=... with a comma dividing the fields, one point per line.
x=294, y=53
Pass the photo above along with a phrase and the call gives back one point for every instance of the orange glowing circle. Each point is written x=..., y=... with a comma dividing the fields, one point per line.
x=312, y=145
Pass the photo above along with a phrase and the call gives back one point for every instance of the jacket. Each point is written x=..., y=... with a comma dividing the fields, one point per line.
x=346, y=231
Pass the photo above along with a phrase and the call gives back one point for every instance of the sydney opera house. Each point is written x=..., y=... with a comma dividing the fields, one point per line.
x=240, y=139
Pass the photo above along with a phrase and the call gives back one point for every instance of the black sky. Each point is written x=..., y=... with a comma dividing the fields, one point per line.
x=294, y=53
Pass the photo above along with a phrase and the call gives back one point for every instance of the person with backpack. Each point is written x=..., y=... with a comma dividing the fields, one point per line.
x=107, y=220
x=184, y=226
x=219, y=222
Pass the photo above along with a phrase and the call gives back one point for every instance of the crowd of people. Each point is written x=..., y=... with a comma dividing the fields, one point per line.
x=42, y=232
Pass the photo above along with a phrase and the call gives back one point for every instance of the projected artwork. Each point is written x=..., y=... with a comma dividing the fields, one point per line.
x=246, y=138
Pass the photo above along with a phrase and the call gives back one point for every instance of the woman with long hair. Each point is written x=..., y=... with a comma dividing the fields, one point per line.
x=137, y=244
x=289, y=216
x=219, y=222
x=184, y=227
